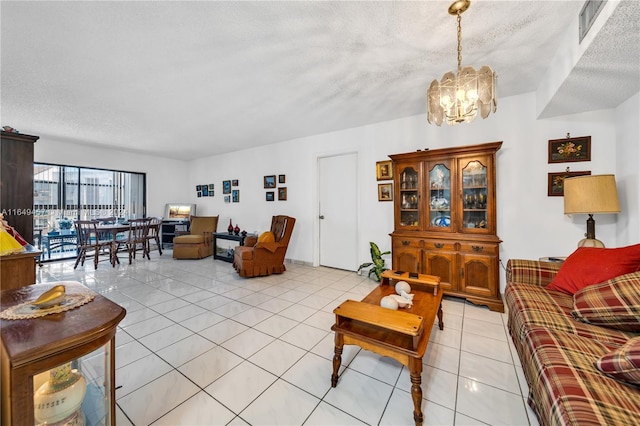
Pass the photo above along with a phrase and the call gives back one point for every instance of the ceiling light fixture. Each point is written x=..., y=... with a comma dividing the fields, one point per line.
x=459, y=96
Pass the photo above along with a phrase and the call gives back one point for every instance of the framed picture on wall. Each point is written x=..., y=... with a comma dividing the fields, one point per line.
x=282, y=194
x=227, y=198
x=234, y=182
x=226, y=187
x=385, y=192
x=235, y=196
x=282, y=179
x=556, y=182
x=269, y=195
x=270, y=181
x=384, y=170
x=569, y=150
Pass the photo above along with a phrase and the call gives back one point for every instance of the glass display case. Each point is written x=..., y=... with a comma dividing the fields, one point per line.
x=59, y=369
x=445, y=219
x=440, y=196
x=409, y=187
x=474, y=195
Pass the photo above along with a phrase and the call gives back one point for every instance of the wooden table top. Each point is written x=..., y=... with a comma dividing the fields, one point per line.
x=30, y=339
x=425, y=305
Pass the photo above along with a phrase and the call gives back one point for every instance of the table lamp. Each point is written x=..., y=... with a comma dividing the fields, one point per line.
x=590, y=195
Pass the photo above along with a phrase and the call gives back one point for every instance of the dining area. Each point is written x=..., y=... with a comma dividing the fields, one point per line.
x=104, y=239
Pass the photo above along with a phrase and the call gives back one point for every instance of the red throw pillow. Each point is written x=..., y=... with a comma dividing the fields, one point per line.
x=622, y=363
x=591, y=265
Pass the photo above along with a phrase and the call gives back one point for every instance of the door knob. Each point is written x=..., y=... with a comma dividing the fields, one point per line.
x=321, y=216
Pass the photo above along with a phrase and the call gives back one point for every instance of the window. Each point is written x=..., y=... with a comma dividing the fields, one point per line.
x=81, y=193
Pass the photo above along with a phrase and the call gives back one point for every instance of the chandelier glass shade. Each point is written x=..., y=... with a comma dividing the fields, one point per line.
x=459, y=96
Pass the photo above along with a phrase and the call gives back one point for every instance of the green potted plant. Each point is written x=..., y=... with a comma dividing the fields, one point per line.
x=377, y=262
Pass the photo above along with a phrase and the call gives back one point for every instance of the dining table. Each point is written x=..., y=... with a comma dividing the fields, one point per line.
x=116, y=231
x=113, y=232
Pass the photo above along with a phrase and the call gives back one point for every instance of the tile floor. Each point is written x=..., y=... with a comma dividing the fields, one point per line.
x=202, y=346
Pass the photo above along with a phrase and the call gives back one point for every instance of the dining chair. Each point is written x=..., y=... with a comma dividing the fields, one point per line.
x=155, y=224
x=91, y=244
x=138, y=238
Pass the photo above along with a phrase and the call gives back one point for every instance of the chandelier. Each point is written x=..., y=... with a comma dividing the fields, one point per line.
x=459, y=96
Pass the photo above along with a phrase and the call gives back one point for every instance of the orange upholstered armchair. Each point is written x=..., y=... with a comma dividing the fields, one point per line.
x=265, y=256
x=198, y=243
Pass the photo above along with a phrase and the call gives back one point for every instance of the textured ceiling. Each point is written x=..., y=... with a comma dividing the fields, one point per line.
x=190, y=79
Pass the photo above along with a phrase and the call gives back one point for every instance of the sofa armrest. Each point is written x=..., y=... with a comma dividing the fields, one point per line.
x=534, y=272
x=250, y=241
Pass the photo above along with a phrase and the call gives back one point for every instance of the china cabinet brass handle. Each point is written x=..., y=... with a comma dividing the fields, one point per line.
x=406, y=243
x=439, y=245
x=477, y=248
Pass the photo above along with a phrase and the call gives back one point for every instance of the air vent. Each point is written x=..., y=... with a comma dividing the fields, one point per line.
x=588, y=15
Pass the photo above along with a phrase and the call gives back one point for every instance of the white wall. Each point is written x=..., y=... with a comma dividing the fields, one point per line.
x=166, y=179
x=627, y=176
x=530, y=223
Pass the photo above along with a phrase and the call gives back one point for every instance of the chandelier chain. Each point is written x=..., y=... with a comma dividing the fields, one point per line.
x=459, y=41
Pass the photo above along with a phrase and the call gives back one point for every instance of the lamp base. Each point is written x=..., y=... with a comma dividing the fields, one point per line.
x=590, y=242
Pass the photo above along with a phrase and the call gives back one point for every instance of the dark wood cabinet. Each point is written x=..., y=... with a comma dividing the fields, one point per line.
x=16, y=187
x=445, y=219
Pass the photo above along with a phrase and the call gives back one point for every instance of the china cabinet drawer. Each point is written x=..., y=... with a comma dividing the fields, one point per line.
x=439, y=245
x=479, y=248
x=407, y=243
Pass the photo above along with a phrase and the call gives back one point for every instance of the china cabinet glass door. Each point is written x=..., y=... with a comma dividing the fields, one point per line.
x=474, y=195
x=440, y=196
x=409, y=196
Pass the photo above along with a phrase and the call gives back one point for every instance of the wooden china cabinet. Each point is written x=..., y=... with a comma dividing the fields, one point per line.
x=445, y=219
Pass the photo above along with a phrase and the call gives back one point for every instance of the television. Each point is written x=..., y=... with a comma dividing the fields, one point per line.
x=178, y=211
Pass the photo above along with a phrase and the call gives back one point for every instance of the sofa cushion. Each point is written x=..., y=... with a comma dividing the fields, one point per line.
x=614, y=303
x=266, y=237
x=188, y=239
x=565, y=386
x=592, y=265
x=622, y=363
x=532, y=306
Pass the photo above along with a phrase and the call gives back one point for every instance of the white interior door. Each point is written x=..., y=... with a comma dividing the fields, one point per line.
x=337, y=211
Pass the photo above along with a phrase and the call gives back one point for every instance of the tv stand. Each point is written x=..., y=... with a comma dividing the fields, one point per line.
x=172, y=228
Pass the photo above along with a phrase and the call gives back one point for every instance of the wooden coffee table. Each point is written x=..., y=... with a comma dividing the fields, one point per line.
x=402, y=335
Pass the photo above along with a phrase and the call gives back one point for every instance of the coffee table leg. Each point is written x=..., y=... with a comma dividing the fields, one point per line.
x=337, y=359
x=415, y=371
x=440, y=323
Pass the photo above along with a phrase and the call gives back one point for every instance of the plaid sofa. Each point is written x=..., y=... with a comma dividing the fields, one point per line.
x=558, y=353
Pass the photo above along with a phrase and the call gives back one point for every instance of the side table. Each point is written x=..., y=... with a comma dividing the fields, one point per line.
x=402, y=335
x=84, y=336
x=226, y=236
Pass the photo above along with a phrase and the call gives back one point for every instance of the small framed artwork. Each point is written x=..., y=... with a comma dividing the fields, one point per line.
x=227, y=198
x=210, y=192
x=282, y=194
x=269, y=195
x=211, y=187
x=385, y=192
x=235, y=196
x=198, y=187
x=282, y=179
x=384, y=170
x=226, y=187
x=199, y=194
x=270, y=181
x=569, y=150
x=234, y=182
x=205, y=190
x=556, y=182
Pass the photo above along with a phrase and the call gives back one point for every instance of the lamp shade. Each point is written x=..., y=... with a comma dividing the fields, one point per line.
x=591, y=194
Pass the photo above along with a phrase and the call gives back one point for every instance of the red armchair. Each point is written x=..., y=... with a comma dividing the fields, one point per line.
x=257, y=258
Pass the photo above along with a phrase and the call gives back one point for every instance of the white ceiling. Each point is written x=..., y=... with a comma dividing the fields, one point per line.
x=192, y=79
